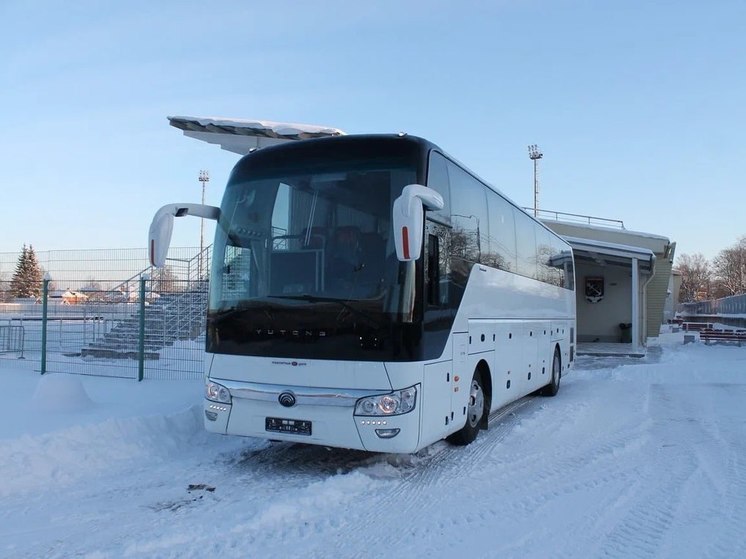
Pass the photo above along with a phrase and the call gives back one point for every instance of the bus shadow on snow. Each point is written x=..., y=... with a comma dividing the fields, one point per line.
x=297, y=464
x=282, y=459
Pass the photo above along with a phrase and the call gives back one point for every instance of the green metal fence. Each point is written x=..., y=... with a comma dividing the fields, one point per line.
x=108, y=313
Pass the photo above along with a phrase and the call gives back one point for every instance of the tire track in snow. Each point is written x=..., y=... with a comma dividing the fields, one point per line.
x=597, y=470
x=731, y=543
x=444, y=466
x=416, y=477
x=651, y=521
x=723, y=519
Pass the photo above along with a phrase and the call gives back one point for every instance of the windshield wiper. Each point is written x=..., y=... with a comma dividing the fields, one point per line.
x=222, y=314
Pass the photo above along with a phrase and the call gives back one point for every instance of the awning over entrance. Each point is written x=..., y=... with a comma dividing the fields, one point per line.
x=241, y=136
x=598, y=259
x=612, y=254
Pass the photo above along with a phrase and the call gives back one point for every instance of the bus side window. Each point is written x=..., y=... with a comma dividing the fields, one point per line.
x=433, y=271
x=437, y=265
x=438, y=180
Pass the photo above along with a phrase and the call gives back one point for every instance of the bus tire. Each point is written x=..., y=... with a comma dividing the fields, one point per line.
x=476, y=413
x=553, y=387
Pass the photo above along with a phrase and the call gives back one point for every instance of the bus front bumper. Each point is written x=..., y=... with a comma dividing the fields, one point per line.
x=316, y=416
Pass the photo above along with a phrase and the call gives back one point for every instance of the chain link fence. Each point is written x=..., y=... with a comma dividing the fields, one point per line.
x=108, y=313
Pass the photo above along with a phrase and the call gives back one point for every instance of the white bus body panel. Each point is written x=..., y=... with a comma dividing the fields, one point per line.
x=494, y=294
x=512, y=324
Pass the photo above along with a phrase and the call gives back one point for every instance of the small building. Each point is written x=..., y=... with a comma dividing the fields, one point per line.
x=622, y=280
x=70, y=297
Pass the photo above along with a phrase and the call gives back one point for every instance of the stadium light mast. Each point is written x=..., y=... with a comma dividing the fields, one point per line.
x=535, y=154
x=204, y=178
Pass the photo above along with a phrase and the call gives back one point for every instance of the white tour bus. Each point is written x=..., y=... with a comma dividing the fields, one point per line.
x=369, y=292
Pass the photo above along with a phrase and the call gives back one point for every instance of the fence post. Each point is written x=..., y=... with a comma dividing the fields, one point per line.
x=141, y=355
x=44, y=299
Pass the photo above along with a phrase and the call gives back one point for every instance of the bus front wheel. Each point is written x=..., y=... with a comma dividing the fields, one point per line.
x=476, y=412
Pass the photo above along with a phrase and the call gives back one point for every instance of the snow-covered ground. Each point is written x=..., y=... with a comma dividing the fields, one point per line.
x=633, y=458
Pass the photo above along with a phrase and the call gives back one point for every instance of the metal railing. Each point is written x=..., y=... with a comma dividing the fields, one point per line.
x=150, y=325
x=185, y=312
x=12, y=338
x=577, y=218
x=733, y=305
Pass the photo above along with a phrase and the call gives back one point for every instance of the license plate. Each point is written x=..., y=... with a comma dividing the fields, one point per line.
x=291, y=426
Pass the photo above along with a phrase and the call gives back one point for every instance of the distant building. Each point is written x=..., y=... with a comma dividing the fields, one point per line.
x=70, y=297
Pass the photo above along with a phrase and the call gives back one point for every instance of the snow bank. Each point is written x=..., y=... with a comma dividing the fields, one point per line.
x=60, y=393
x=38, y=463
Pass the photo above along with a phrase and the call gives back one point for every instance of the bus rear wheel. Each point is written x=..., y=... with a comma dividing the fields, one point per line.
x=553, y=387
x=476, y=413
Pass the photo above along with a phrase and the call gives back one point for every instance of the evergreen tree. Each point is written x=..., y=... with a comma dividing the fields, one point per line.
x=26, y=281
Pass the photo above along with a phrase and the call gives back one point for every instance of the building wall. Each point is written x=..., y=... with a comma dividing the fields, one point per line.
x=600, y=321
x=657, y=291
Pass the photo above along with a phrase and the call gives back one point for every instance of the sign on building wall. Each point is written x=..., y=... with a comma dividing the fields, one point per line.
x=594, y=289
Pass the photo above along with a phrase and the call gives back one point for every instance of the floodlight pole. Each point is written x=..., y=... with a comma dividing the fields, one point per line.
x=204, y=178
x=535, y=154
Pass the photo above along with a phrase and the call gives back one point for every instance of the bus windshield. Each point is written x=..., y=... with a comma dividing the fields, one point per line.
x=303, y=262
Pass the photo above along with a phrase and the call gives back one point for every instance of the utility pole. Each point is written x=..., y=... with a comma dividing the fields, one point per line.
x=535, y=154
x=204, y=178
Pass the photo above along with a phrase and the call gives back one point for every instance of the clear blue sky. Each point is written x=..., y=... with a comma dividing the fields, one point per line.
x=638, y=106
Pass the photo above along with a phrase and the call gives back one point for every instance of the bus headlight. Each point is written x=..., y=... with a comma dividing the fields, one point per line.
x=393, y=403
x=217, y=392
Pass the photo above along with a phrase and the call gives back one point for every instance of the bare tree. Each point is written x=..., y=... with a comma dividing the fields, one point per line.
x=695, y=277
x=165, y=280
x=729, y=267
x=93, y=290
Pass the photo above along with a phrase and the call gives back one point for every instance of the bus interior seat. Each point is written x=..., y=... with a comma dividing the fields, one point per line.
x=346, y=246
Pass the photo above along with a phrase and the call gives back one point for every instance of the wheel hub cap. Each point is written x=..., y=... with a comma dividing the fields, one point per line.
x=476, y=403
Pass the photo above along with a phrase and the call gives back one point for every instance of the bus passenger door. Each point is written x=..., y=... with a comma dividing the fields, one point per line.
x=445, y=387
x=439, y=384
x=461, y=377
x=437, y=395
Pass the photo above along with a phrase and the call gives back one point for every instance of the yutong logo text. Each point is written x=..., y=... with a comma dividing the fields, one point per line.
x=293, y=333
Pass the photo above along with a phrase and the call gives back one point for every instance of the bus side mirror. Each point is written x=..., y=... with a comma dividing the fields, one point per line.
x=159, y=235
x=408, y=219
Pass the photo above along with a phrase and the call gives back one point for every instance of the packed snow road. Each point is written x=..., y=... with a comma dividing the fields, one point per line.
x=632, y=459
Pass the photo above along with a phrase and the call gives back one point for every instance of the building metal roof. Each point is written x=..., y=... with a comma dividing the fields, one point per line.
x=612, y=253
